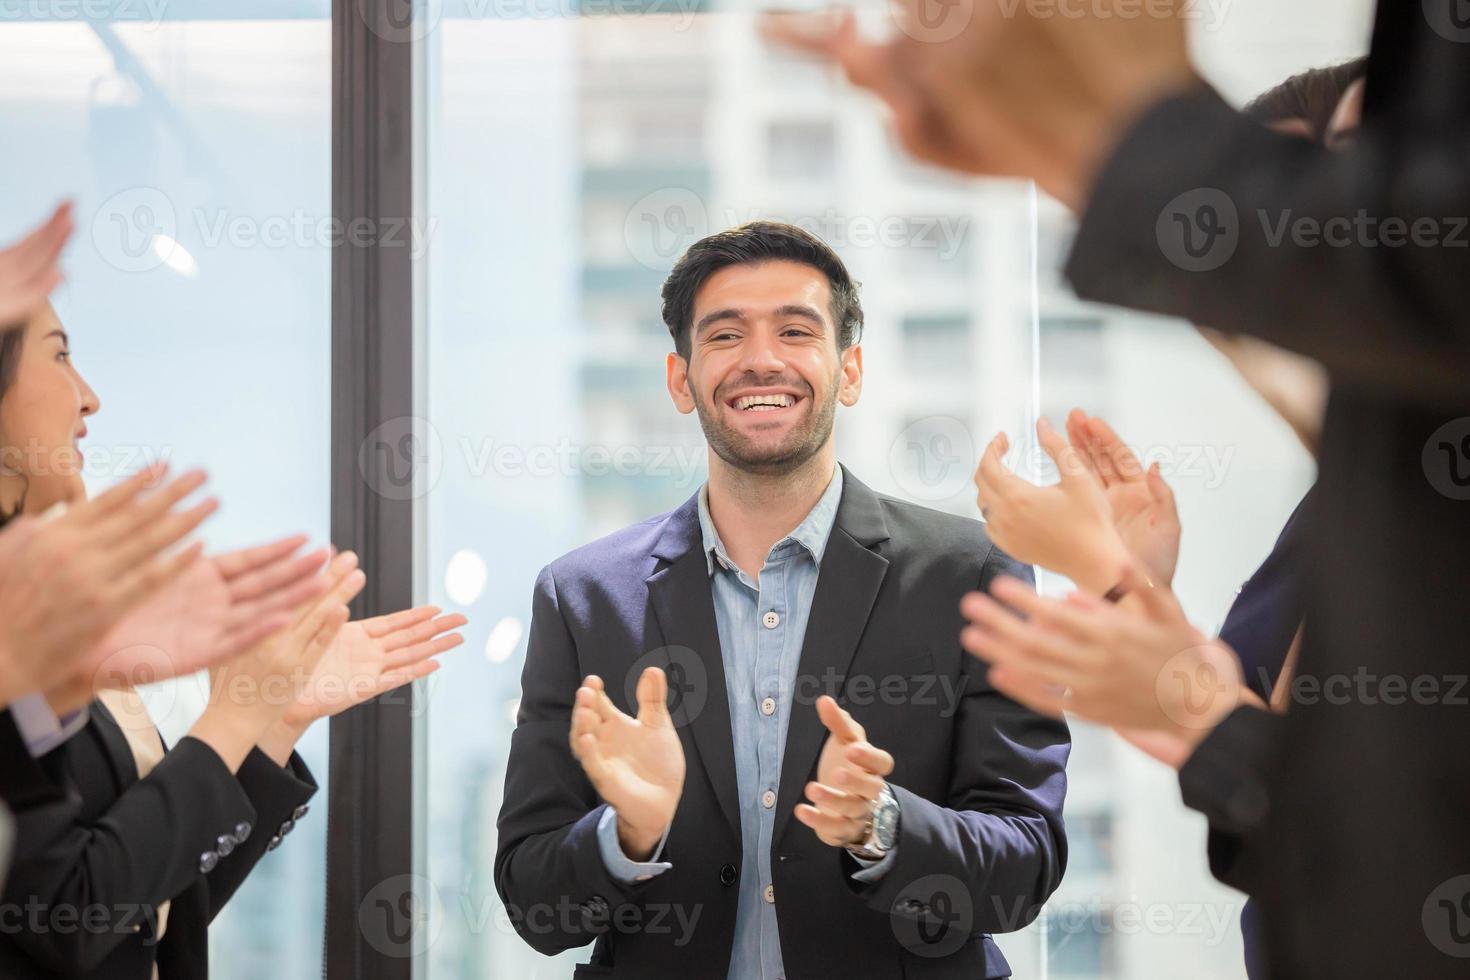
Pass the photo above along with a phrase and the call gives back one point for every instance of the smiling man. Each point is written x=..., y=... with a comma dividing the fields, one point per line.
x=833, y=788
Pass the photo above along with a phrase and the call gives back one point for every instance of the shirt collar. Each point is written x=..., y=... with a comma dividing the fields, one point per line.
x=812, y=533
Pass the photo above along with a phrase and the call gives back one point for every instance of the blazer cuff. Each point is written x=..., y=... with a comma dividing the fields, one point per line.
x=591, y=877
x=1226, y=777
x=198, y=777
x=879, y=885
x=278, y=793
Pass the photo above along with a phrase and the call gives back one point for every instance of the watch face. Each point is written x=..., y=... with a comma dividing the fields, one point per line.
x=884, y=823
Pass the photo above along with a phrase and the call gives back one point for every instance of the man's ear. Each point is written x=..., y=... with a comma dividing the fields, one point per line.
x=677, y=370
x=852, y=376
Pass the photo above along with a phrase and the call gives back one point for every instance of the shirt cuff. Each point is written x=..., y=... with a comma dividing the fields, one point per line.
x=618, y=864
x=40, y=727
x=873, y=870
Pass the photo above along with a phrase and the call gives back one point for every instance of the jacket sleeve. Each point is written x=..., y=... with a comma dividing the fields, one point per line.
x=34, y=802
x=1227, y=780
x=149, y=846
x=999, y=834
x=1354, y=258
x=279, y=795
x=548, y=858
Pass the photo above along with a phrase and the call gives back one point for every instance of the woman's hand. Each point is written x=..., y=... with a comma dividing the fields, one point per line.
x=66, y=581
x=250, y=693
x=1141, y=502
x=1139, y=669
x=216, y=610
x=28, y=270
x=368, y=658
x=1066, y=527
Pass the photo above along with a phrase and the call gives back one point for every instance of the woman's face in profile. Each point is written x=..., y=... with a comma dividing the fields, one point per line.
x=43, y=419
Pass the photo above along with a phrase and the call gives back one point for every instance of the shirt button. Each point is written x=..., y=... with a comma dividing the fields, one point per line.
x=770, y=894
x=768, y=799
x=771, y=620
x=768, y=706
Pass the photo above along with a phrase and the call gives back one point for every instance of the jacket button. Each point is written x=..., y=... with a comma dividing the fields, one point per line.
x=300, y=811
x=224, y=844
x=275, y=842
x=728, y=874
x=208, y=861
x=286, y=828
x=242, y=832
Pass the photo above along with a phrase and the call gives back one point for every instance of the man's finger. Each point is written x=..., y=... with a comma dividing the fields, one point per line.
x=869, y=757
x=829, y=799
x=859, y=782
x=837, y=721
x=653, y=693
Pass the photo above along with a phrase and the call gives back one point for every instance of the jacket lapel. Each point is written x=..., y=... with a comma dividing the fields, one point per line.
x=852, y=573
x=679, y=591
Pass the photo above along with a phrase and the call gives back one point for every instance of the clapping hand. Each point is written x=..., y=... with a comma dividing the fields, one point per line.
x=850, y=776
x=635, y=764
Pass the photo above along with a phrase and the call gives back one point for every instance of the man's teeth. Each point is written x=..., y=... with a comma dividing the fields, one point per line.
x=764, y=403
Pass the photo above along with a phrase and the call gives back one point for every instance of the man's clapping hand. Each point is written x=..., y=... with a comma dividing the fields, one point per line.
x=635, y=764
x=850, y=775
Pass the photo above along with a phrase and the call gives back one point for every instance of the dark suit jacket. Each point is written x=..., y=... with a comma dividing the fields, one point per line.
x=1346, y=815
x=1267, y=611
x=97, y=850
x=980, y=780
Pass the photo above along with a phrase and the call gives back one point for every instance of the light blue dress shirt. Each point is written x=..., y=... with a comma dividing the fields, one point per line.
x=762, y=624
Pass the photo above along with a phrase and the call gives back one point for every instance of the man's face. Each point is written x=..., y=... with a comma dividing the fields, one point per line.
x=764, y=372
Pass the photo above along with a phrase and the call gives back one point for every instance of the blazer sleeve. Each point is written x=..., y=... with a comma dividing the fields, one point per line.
x=37, y=806
x=548, y=855
x=146, y=849
x=279, y=795
x=1227, y=779
x=1377, y=302
x=1000, y=830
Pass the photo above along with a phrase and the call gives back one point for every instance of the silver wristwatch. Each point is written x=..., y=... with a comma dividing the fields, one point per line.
x=882, y=828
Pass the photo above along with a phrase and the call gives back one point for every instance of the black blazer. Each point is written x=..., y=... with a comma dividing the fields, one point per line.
x=980, y=780
x=97, y=850
x=1347, y=816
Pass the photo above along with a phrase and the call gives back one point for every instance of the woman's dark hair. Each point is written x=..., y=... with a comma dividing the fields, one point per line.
x=1311, y=96
x=10, y=344
x=758, y=241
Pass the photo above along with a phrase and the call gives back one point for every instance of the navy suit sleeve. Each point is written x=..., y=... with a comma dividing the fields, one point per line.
x=549, y=870
x=999, y=833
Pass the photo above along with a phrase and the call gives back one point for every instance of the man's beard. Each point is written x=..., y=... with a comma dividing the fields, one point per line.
x=804, y=441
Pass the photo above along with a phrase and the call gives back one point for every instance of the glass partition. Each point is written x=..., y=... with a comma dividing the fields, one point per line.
x=197, y=303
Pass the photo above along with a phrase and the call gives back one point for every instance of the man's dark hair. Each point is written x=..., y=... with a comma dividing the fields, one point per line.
x=1312, y=96
x=749, y=244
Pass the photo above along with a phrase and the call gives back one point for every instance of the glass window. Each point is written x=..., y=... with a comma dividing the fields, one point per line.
x=197, y=302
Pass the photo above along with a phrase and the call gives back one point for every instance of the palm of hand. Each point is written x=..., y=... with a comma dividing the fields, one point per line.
x=347, y=675
x=645, y=769
x=184, y=624
x=1148, y=529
